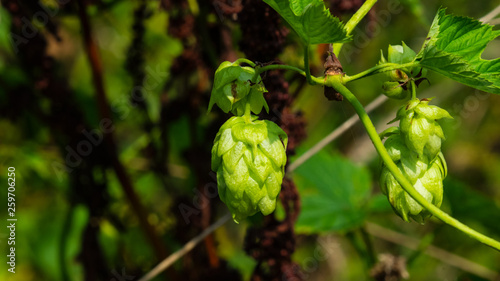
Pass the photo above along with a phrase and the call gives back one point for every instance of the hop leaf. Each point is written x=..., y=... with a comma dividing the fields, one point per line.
x=311, y=20
x=249, y=158
x=233, y=88
x=453, y=48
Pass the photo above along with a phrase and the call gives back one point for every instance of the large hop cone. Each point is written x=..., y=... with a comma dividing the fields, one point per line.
x=249, y=158
x=421, y=133
x=426, y=175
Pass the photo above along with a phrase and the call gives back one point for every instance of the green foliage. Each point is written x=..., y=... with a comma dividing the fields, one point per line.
x=412, y=176
x=311, y=20
x=453, y=48
x=334, y=194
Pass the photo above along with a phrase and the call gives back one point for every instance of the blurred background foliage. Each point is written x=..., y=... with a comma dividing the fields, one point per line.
x=112, y=205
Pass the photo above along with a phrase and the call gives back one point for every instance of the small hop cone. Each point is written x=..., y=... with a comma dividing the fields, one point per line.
x=426, y=177
x=249, y=158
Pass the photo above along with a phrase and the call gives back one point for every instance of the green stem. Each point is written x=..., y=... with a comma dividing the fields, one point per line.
x=260, y=70
x=353, y=22
x=413, y=90
x=306, y=66
x=336, y=83
x=243, y=60
x=248, y=113
x=378, y=69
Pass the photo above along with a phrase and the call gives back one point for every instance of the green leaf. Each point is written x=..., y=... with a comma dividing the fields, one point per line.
x=453, y=48
x=334, y=194
x=311, y=20
x=298, y=6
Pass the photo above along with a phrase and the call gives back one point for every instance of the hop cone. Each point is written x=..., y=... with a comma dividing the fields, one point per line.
x=415, y=147
x=425, y=176
x=249, y=158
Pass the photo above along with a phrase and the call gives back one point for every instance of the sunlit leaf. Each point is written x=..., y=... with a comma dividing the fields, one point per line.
x=454, y=47
x=311, y=20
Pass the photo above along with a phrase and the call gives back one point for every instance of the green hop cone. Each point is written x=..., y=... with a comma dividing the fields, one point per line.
x=249, y=158
x=234, y=87
x=425, y=176
x=419, y=129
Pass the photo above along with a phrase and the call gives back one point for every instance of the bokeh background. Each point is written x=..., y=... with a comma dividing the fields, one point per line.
x=103, y=115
